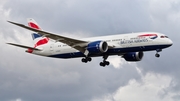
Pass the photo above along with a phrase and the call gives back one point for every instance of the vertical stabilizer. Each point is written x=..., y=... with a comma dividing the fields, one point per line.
x=37, y=38
x=33, y=24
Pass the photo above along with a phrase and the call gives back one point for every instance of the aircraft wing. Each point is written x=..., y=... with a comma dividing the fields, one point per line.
x=22, y=46
x=75, y=43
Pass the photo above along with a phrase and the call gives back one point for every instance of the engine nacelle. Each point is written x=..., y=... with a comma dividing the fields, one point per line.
x=133, y=56
x=97, y=47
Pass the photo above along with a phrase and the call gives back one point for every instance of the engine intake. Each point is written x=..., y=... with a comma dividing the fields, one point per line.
x=133, y=56
x=97, y=47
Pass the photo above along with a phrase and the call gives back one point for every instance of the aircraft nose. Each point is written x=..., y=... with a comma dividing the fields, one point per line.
x=170, y=42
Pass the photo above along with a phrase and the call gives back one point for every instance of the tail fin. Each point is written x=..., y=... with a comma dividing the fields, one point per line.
x=33, y=24
x=37, y=38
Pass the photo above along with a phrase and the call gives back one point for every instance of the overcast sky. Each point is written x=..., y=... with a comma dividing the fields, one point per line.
x=26, y=77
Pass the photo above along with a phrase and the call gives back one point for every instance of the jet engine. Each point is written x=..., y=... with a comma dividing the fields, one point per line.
x=133, y=56
x=97, y=47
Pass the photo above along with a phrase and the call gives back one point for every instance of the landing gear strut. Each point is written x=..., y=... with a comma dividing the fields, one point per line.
x=86, y=59
x=157, y=52
x=104, y=63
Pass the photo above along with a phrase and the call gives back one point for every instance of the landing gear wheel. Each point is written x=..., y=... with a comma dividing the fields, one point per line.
x=157, y=55
x=158, y=50
x=106, y=62
x=84, y=60
x=88, y=59
x=102, y=64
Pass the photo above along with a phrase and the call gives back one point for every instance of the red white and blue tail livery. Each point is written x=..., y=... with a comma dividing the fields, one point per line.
x=33, y=24
x=130, y=46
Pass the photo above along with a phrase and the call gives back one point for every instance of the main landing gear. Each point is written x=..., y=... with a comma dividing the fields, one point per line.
x=157, y=52
x=104, y=63
x=86, y=59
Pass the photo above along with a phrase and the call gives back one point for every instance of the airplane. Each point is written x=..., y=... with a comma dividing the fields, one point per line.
x=130, y=46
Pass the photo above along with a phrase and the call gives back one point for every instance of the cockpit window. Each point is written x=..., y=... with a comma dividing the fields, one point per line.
x=164, y=36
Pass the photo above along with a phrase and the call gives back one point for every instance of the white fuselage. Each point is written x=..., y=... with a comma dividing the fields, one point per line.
x=118, y=45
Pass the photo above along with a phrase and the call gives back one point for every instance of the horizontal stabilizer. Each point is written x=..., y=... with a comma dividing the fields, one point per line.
x=22, y=46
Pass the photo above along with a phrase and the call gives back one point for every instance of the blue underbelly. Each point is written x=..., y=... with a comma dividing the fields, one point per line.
x=114, y=51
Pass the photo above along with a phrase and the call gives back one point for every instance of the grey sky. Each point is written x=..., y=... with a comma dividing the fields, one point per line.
x=25, y=77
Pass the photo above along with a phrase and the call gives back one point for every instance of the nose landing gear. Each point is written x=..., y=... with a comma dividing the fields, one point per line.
x=157, y=52
x=157, y=55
